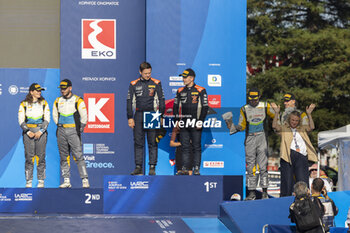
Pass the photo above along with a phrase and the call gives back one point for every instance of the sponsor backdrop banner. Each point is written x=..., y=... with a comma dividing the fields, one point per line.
x=210, y=37
x=14, y=86
x=102, y=46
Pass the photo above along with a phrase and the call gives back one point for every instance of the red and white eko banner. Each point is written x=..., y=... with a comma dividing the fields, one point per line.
x=100, y=108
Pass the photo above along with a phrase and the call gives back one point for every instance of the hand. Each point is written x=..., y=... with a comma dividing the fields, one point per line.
x=131, y=123
x=310, y=108
x=38, y=134
x=275, y=107
x=30, y=134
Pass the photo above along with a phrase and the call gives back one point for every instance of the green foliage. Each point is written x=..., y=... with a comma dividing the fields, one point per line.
x=311, y=41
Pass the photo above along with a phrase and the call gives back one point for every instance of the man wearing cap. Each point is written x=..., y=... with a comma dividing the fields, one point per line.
x=34, y=118
x=290, y=105
x=145, y=95
x=193, y=102
x=253, y=119
x=70, y=115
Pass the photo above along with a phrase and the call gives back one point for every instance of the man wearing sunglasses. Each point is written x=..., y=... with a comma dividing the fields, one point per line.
x=313, y=174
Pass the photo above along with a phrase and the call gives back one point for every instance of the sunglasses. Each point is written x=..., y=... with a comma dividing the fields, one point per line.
x=312, y=170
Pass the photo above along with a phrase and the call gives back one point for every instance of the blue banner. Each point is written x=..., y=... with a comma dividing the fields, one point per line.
x=174, y=195
x=32, y=200
x=102, y=46
x=14, y=86
x=209, y=37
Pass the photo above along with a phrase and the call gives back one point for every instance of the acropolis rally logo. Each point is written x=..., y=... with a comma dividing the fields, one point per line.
x=98, y=39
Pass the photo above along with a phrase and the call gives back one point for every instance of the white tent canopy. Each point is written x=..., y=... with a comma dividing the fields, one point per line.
x=332, y=137
x=339, y=138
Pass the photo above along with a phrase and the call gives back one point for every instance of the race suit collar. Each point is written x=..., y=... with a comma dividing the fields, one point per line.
x=144, y=80
x=67, y=98
x=191, y=86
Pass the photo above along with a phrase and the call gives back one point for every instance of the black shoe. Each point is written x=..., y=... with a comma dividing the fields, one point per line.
x=196, y=171
x=152, y=170
x=251, y=196
x=182, y=173
x=264, y=195
x=138, y=171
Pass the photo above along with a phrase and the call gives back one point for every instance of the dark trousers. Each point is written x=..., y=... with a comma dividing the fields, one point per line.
x=291, y=173
x=190, y=139
x=139, y=141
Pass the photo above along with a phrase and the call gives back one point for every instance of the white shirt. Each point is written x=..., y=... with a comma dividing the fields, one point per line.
x=298, y=140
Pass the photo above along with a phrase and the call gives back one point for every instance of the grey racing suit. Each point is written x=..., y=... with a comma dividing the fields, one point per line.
x=252, y=120
x=70, y=115
x=34, y=117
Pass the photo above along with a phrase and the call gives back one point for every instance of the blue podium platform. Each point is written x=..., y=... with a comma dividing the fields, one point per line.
x=252, y=216
x=51, y=200
x=168, y=195
x=128, y=195
x=92, y=224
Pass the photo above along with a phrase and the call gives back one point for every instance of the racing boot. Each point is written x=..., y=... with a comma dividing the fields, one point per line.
x=29, y=183
x=152, y=170
x=40, y=184
x=85, y=182
x=264, y=194
x=183, y=172
x=251, y=196
x=138, y=171
x=66, y=183
x=196, y=171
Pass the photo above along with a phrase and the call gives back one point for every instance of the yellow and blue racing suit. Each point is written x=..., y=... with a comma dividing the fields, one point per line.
x=34, y=117
x=253, y=121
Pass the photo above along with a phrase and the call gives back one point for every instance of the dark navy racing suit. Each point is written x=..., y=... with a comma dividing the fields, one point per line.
x=143, y=96
x=193, y=102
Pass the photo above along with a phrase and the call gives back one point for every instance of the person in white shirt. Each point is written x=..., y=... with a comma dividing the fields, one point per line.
x=296, y=148
x=313, y=174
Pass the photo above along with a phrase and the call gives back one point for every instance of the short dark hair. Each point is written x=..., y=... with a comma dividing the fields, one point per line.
x=317, y=184
x=300, y=189
x=145, y=65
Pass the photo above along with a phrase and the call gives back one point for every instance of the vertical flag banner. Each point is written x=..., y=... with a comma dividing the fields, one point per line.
x=102, y=46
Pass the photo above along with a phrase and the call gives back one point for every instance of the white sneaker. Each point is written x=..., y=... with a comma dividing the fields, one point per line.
x=66, y=183
x=40, y=184
x=29, y=184
x=85, y=182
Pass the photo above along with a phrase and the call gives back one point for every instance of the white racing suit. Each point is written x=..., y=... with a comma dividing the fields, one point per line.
x=253, y=121
x=70, y=115
x=34, y=117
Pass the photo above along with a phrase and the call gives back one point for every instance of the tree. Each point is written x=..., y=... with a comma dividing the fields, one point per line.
x=303, y=47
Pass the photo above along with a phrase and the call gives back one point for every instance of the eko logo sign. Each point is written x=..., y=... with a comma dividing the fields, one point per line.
x=100, y=108
x=98, y=39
